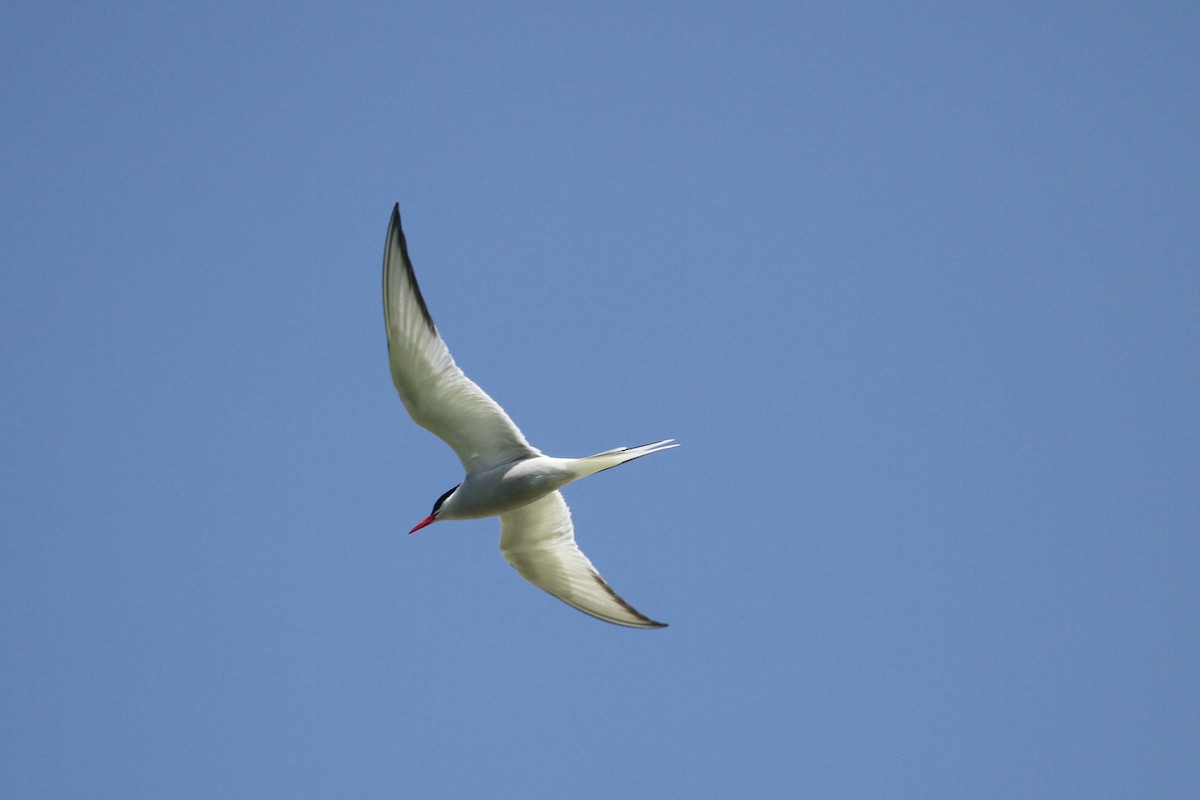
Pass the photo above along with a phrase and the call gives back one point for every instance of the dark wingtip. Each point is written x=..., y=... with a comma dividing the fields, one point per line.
x=646, y=621
x=394, y=223
x=396, y=229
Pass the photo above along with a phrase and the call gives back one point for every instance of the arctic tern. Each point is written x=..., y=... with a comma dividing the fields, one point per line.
x=505, y=475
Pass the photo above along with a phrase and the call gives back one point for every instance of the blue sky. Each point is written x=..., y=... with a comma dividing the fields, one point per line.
x=916, y=285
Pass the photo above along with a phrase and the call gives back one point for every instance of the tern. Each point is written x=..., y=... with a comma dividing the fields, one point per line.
x=505, y=475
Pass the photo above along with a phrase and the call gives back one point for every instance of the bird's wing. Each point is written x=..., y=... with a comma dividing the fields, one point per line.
x=539, y=541
x=435, y=391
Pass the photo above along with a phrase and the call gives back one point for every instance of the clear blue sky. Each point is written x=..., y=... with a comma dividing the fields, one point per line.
x=917, y=285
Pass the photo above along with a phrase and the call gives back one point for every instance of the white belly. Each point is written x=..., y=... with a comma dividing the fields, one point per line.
x=503, y=488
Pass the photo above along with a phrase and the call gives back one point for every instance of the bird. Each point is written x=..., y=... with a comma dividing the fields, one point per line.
x=505, y=475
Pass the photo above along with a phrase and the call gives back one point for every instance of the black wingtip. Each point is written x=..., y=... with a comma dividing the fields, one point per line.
x=396, y=234
x=646, y=622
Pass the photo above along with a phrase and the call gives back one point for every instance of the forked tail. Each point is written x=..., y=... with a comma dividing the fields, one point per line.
x=612, y=458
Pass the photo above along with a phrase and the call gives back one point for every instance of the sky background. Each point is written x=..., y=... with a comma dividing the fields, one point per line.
x=916, y=285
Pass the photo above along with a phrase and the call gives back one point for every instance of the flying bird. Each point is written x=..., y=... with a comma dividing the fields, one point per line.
x=505, y=475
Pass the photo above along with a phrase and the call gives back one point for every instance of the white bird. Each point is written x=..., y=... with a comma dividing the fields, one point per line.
x=506, y=476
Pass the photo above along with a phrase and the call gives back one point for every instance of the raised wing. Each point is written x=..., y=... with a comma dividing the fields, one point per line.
x=539, y=541
x=438, y=396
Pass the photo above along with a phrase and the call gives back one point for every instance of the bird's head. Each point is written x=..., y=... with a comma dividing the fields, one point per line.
x=437, y=509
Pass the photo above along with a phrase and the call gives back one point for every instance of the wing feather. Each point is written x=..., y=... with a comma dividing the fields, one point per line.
x=539, y=541
x=438, y=396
